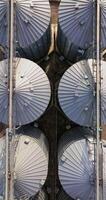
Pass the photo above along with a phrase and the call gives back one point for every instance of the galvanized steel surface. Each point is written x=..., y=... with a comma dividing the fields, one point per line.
x=3, y=22
x=73, y=135
x=32, y=25
x=103, y=23
x=76, y=21
x=104, y=169
x=76, y=26
x=31, y=92
x=33, y=18
x=2, y=166
x=76, y=169
x=76, y=93
x=31, y=163
x=31, y=167
x=35, y=133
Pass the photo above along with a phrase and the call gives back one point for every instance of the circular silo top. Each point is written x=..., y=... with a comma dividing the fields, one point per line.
x=76, y=93
x=31, y=167
x=76, y=22
x=32, y=20
x=30, y=162
x=31, y=94
x=76, y=167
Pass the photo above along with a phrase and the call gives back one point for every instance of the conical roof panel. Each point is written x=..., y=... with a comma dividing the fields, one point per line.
x=76, y=22
x=77, y=95
x=30, y=163
x=32, y=21
x=103, y=23
x=31, y=167
x=76, y=170
x=31, y=91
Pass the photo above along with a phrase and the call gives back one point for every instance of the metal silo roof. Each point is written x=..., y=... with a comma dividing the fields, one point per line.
x=2, y=165
x=76, y=93
x=3, y=22
x=31, y=92
x=31, y=163
x=76, y=169
x=32, y=20
x=104, y=169
x=103, y=23
x=31, y=167
x=76, y=21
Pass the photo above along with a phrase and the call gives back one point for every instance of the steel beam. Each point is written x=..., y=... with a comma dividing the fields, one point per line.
x=98, y=73
x=9, y=158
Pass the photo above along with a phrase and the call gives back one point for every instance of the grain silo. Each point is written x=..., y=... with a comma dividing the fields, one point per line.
x=31, y=91
x=30, y=162
x=77, y=95
x=32, y=31
x=25, y=94
x=76, y=164
x=77, y=27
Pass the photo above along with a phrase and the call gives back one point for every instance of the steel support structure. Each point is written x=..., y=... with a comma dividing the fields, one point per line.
x=9, y=194
x=98, y=88
x=10, y=61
